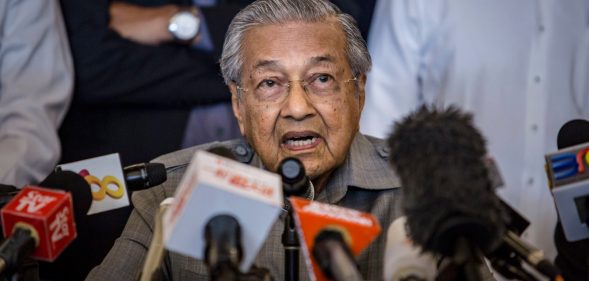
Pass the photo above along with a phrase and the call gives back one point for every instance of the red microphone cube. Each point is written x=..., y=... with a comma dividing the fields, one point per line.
x=48, y=213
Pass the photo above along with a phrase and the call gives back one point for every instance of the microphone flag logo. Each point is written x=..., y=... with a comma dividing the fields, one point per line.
x=105, y=176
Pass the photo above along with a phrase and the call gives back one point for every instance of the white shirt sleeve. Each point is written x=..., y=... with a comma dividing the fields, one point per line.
x=400, y=35
x=36, y=80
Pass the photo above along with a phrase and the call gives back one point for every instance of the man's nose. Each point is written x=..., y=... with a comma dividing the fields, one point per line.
x=298, y=103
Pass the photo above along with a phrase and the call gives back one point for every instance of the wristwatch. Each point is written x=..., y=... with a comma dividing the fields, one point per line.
x=184, y=25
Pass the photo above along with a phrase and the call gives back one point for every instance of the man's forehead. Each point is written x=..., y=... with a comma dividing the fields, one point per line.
x=310, y=44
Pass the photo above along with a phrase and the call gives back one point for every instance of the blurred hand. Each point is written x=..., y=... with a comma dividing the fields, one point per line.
x=144, y=25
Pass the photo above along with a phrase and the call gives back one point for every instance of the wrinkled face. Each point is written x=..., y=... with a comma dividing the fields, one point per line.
x=297, y=97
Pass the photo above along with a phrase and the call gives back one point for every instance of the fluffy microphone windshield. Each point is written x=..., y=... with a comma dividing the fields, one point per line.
x=439, y=155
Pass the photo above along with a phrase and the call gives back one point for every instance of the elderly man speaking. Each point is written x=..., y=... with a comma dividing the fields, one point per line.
x=296, y=70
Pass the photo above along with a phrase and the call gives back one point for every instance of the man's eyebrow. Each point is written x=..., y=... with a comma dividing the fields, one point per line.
x=274, y=64
x=266, y=64
x=322, y=59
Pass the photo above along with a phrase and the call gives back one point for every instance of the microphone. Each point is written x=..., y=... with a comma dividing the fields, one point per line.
x=76, y=186
x=572, y=256
x=334, y=256
x=455, y=182
x=405, y=261
x=572, y=133
x=568, y=178
x=294, y=183
x=40, y=221
x=294, y=179
x=212, y=187
x=449, y=201
x=506, y=258
x=144, y=175
x=223, y=251
x=331, y=236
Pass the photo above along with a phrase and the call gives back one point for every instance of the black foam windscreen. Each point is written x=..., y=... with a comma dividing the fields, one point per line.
x=572, y=133
x=439, y=156
x=76, y=185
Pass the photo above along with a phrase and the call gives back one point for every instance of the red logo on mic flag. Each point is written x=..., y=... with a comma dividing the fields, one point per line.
x=47, y=212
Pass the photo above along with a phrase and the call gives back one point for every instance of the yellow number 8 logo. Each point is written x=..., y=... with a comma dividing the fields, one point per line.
x=104, y=190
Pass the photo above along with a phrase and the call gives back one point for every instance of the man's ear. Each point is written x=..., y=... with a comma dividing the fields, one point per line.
x=236, y=104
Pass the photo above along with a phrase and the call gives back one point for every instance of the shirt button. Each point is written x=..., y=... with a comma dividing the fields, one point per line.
x=537, y=79
x=530, y=181
x=240, y=150
x=541, y=28
x=534, y=127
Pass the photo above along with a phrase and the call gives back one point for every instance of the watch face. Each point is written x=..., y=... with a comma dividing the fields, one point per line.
x=184, y=26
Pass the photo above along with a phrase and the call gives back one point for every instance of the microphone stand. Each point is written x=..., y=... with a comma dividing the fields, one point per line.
x=464, y=264
x=469, y=257
x=290, y=241
x=294, y=182
x=16, y=248
x=511, y=269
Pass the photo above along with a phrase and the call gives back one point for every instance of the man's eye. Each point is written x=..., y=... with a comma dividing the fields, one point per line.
x=267, y=83
x=323, y=78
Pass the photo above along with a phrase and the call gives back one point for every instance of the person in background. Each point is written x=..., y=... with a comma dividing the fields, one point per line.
x=141, y=66
x=520, y=67
x=36, y=80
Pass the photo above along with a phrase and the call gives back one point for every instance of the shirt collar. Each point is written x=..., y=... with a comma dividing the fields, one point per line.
x=365, y=167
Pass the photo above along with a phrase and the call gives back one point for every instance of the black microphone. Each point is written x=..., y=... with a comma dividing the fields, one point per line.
x=568, y=179
x=294, y=179
x=572, y=257
x=223, y=251
x=33, y=223
x=506, y=258
x=334, y=257
x=572, y=133
x=144, y=175
x=75, y=184
x=294, y=183
x=449, y=201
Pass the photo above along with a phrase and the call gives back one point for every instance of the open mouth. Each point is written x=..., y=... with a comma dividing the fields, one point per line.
x=300, y=140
